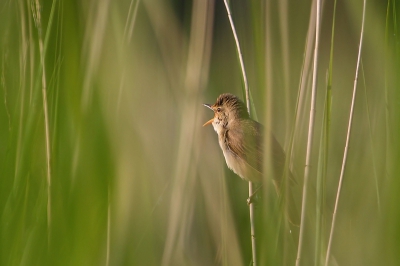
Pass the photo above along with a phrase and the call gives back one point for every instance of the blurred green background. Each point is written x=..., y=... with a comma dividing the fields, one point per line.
x=125, y=174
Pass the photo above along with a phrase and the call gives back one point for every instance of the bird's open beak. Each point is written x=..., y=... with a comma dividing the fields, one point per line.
x=208, y=122
x=212, y=119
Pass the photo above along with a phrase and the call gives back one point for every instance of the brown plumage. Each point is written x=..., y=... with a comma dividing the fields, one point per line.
x=241, y=139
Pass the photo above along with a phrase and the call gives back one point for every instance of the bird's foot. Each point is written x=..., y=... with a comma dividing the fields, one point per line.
x=253, y=197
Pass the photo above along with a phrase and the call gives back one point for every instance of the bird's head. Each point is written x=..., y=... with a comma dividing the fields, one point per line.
x=228, y=107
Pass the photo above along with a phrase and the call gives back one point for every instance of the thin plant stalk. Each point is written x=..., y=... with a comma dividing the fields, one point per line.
x=388, y=124
x=321, y=179
x=310, y=133
x=378, y=197
x=247, y=92
x=323, y=153
x=108, y=226
x=346, y=148
x=37, y=17
x=301, y=95
x=239, y=51
x=130, y=21
x=284, y=35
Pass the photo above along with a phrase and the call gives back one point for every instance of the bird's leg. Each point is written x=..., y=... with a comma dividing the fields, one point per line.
x=250, y=199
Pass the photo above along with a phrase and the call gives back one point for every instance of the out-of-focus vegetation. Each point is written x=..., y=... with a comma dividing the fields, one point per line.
x=126, y=175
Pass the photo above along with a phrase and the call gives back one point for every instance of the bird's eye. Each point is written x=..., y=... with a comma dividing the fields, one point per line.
x=218, y=109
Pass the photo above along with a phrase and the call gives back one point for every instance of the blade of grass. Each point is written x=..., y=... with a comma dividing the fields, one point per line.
x=284, y=35
x=130, y=21
x=57, y=72
x=321, y=179
x=3, y=84
x=378, y=197
x=347, y=139
x=301, y=95
x=127, y=36
x=295, y=124
x=48, y=29
x=389, y=127
x=94, y=36
x=108, y=226
x=323, y=153
x=310, y=137
x=37, y=16
x=276, y=211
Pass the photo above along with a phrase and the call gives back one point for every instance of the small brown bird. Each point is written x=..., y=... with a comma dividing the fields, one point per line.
x=241, y=140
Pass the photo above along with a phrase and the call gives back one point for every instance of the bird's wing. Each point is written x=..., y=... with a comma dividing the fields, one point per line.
x=250, y=148
x=247, y=142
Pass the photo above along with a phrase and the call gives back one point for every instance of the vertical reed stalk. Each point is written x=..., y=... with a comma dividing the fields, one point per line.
x=247, y=91
x=347, y=139
x=310, y=132
x=239, y=51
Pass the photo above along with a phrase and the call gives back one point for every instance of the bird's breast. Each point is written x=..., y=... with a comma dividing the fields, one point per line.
x=238, y=165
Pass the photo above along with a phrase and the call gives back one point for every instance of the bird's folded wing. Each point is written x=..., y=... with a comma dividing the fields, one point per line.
x=247, y=143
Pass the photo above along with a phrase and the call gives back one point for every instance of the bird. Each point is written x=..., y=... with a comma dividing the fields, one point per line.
x=242, y=140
